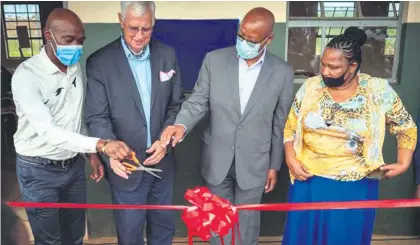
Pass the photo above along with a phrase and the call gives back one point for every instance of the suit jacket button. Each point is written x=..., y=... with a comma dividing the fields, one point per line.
x=233, y=148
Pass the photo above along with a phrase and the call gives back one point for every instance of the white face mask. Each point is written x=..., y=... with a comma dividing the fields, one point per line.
x=247, y=50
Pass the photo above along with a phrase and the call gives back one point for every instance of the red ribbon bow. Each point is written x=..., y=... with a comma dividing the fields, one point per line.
x=210, y=213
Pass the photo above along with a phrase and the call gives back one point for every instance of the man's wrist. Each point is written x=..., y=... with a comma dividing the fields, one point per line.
x=101, y=145
x=185, y=127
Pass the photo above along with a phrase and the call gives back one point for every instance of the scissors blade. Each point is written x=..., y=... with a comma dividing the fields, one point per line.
x=150, y=172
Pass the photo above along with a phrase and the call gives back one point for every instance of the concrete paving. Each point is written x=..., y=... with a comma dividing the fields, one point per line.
x=377, y=240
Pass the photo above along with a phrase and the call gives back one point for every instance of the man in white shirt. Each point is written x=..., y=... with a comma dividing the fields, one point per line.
x=247, y=92
x=49, y=94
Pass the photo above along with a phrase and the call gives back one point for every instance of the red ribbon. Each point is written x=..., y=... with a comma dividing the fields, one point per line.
x=212, y=214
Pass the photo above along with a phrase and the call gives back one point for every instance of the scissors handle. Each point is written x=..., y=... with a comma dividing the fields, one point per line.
x=129, y=166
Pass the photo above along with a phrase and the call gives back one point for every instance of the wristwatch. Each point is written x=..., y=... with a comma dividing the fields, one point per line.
x=103, y=147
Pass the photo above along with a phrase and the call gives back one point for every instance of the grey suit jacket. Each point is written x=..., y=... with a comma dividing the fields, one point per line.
x=113, y=107
x=254, y=139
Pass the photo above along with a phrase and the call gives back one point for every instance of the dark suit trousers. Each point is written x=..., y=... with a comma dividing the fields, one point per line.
x=249, y=221
x=160, y=227
x=39, y=183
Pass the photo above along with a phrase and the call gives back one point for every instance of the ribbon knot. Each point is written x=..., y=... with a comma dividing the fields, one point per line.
x=210, y=214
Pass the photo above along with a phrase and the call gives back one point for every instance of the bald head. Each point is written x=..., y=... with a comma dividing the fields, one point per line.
x=63, y=27
x=61, y=16
x=257, y=28
x=260, y=18
x=64, y=23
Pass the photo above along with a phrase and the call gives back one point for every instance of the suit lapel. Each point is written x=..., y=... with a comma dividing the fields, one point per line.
x=232, y=71
x=127, y=77
x=261, y=83
x=155, y=79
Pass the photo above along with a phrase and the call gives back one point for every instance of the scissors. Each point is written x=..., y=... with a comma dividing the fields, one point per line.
x=140, y=167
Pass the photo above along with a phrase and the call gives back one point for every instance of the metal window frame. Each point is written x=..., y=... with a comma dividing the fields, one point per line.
x=323, y=22
x=7, y=38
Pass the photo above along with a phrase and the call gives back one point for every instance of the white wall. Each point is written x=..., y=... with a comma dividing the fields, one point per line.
x=107, y=12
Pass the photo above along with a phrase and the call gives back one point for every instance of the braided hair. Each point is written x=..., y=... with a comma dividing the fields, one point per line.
x=350, y=44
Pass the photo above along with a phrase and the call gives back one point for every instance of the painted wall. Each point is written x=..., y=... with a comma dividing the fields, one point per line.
x=101, y=28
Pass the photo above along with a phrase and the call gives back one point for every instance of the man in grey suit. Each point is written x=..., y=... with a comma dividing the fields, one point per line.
x=133, y=92
x=247, y=92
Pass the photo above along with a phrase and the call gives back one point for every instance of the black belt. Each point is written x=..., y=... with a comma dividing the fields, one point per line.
x=45, y=161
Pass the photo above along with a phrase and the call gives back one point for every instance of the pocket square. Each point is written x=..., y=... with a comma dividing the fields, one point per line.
x=165, y=76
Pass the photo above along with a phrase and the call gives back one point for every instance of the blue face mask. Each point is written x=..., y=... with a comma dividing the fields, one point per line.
x=247, y=50
x=67, y=54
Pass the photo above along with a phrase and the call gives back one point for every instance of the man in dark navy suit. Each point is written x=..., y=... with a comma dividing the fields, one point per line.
x=133, y=93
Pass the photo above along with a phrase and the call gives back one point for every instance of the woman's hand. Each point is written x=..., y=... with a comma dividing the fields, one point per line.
x=404, y=160
x=298, y=170
x=395, y=169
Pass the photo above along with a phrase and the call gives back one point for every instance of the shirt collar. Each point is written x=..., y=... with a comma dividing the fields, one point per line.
x=50, y=67
x=144, y=54
x=260, y=60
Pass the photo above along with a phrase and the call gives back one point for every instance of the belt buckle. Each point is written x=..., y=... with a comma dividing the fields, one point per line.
x=65, y=163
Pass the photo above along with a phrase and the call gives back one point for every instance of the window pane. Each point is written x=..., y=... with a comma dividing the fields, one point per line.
x=304, y=9
x=13, y=48
x=11, y=25
x=27, y=52
x=11, y=34
x=33, y=8
x=36, y=46
x=36, y=33
x=390, y=41
x=332, y=32
x=378, y=52
x=303, y=45
x=10, y=16
x=34, y=16
x=22, y=17
x=397, y=9
x=35, y=24
x=343, y=9
x=23, y=24
x=378, y=8
x=9, y=8
x=340, y=9
x=21, y=8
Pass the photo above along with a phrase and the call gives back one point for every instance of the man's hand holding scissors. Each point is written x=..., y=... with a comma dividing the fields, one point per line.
x=124, y=169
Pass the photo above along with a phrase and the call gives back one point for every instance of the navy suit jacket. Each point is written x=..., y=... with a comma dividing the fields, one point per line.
x=416, y=159
x=113, y=107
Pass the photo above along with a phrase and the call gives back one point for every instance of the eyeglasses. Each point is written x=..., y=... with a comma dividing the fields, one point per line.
x=133, y=30
x=250, y=43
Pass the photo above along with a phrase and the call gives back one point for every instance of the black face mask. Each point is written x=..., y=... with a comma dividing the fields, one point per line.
x=335, y=82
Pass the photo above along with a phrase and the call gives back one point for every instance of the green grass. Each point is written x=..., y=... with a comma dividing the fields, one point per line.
x=13, y=48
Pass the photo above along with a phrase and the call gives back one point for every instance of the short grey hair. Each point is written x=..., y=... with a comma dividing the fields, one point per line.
x=138, y=7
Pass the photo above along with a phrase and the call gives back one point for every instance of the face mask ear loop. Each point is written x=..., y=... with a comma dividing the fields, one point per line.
x=52, y=35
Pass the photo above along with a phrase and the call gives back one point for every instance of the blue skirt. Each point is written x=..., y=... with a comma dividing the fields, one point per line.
x=330, y=227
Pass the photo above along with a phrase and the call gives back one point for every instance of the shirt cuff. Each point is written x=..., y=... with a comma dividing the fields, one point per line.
x=90, y=144
x=185, y=130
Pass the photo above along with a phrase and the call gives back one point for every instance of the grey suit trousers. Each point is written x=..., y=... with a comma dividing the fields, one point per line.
x=249, y=221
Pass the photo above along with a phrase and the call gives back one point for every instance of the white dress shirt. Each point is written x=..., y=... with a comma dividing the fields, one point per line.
x=49, y=105
x=247, y=79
